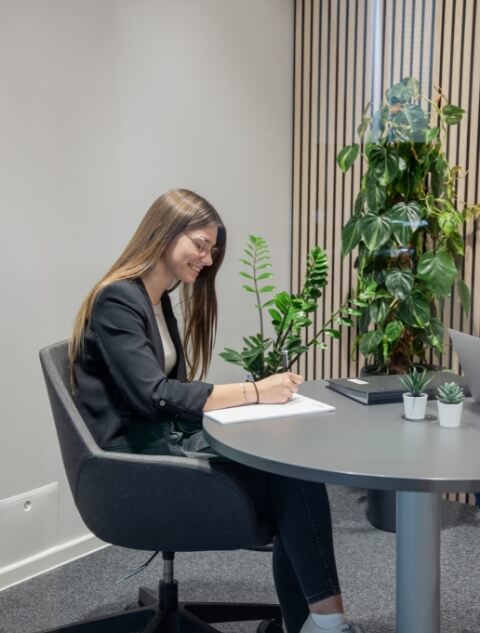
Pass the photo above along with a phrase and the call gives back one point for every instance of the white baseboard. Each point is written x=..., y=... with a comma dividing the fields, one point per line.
x=49, y=559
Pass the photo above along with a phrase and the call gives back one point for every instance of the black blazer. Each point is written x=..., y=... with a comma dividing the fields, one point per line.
x=122, y=391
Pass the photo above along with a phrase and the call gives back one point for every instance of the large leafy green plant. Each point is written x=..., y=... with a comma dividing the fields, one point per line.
x=263, y=354
x=407, y=225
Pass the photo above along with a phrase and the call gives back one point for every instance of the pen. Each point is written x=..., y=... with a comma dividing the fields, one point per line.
x=285, y=361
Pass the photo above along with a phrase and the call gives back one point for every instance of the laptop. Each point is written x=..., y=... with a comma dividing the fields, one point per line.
x=468, y=350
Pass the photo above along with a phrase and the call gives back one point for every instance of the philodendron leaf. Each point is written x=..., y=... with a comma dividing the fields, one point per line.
x=362, y=128
x=375, y=230
x=435, y=334
x=399, y=283
x=410, y=124
x=438, y=271
x=378, y=311
x=455, y=243
x=376, y=195
x=359, y=202
x=347, y=156
x=409, y=180
x=464, y=295
x=415, y=311
x=403, y=91
x=405, y=218
x=385, y=161
x=452, y=114
x=449, y=221
x=394, y=331
x=370, y=342
x=351, y=235
x=432, y=134
x=377, y=124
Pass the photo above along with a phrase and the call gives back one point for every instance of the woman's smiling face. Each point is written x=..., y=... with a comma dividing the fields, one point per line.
x=189, y=253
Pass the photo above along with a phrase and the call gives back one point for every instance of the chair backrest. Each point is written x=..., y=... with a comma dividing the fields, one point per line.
x=150, y=502
x=76, y=442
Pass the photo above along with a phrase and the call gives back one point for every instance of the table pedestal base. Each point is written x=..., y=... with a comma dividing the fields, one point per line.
x=418, y=562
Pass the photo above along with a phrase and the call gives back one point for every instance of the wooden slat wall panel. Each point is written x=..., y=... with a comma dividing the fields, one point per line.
x=297, y=145
x=460, y=497
x=348, y=52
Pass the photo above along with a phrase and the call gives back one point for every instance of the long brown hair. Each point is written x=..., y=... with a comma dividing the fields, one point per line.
x=171, y=214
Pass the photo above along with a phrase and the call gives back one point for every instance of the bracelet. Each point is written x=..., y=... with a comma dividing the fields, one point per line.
x=256, y=390
x=244, y=392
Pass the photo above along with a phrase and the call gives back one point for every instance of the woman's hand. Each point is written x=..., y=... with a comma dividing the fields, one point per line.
x=278, y=388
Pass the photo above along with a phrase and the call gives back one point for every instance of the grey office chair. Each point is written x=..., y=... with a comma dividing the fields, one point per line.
x=150, y=502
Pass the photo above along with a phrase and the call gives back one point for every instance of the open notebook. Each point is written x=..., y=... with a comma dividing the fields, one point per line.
x=298, y=405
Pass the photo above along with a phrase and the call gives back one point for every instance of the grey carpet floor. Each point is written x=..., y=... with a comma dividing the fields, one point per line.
x=365, y=558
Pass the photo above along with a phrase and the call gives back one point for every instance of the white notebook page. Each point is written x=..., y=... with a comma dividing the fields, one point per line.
x=298, y=405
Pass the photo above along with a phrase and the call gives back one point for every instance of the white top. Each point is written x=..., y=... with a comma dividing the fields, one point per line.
x=169, y=350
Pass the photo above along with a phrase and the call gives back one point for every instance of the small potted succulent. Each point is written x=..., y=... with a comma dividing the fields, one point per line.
x=415, y=400
x=450, y=399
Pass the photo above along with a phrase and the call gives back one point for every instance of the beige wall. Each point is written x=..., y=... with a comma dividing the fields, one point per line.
x=103, y=106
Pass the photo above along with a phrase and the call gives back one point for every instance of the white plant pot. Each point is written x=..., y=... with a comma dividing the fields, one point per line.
x=415, y=406
x=449, y=415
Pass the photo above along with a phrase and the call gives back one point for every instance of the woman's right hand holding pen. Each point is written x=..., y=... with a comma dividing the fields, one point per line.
x=278, y=388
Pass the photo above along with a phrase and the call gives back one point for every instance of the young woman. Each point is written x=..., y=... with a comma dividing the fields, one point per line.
x=133, y=381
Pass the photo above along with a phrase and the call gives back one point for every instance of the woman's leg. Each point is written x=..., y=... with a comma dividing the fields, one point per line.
x=304, y=562
x=290, y=595
x=302, y=516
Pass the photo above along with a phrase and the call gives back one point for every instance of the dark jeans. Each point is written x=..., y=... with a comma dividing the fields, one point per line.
x=304, y=566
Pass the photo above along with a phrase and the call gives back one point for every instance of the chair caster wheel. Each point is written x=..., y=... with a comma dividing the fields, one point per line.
x=270, y=626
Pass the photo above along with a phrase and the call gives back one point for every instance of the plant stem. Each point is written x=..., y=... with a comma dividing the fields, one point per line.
x=281, y=340
x=259, y=306
x=259, y=303
x=277, y=343
x=310, y=342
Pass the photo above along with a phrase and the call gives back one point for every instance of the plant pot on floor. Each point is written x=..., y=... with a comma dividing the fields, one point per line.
x=449, y=415
x=381, y=509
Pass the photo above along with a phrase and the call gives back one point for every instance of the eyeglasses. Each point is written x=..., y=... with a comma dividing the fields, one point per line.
x=201, y=244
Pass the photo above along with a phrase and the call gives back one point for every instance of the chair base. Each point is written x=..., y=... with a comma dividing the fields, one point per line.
x=192, y=617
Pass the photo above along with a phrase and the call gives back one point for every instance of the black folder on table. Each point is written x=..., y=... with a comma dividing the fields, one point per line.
x=383, y=389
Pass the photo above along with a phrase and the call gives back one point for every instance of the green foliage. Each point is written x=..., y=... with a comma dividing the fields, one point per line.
x=416, y=381
x=450, y=393
x=290, y=314
x=406, y=226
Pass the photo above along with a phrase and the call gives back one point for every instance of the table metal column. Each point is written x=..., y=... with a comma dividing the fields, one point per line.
x=418, y=562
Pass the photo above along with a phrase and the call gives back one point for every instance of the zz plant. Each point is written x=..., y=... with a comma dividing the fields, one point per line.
x=407, y=225
x=290, y=314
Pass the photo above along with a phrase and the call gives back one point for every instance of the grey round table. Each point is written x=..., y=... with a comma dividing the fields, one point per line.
x=373, y=447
